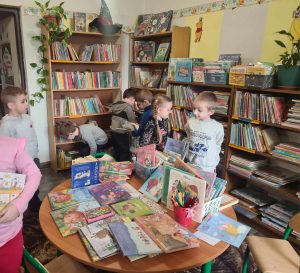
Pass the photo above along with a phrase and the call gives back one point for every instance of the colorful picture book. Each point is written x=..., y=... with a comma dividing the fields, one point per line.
x=70, y=219
x=132, y=208
x=141, y=24
x=79, y=21
x=68, y=197
x=97, y=214
x=93, y=255
x=162, y=52
x=132, y=239
x=144, y=51
x=11, y=186
x=160, y=22
x=123, y=167
x=146, y=155
x=110, y=177
x=166, y=233
x=84, y=171
x=194, y=185
x=130, y=189
x=109, y=193
x=152, y=187
x=183, y=71
x=224, y=228
x=175, y=147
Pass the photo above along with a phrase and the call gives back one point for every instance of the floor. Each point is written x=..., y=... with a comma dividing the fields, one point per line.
x=40, y=247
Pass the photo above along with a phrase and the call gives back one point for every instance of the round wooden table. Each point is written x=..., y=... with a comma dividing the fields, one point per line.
x=172, y=262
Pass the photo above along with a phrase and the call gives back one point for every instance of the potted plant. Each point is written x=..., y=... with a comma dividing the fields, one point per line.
x=51, y=19
x=288, y=73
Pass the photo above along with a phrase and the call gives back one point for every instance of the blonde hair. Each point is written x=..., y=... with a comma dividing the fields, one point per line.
x=143, y=95
x=159, y=101
x=206, y=96
x=65, y=128
x=10, y=93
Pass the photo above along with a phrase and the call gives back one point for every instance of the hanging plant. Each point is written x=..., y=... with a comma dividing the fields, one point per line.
x=51, y=19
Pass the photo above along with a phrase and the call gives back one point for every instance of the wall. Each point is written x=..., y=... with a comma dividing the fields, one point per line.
x=120, y=12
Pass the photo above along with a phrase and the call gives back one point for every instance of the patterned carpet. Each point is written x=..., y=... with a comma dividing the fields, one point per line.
x=40, y=247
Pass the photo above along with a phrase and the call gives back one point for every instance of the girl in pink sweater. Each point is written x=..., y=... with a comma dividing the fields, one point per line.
x=14, y=159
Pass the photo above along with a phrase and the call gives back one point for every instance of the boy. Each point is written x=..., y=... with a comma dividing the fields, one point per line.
x=144, y=99
x=94, y=137
x=17, y=124
x=204, y=135
x=122, y=115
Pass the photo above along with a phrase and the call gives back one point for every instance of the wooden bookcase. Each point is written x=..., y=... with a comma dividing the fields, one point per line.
x=179, y=38
x=106, y=95
x=236, y=180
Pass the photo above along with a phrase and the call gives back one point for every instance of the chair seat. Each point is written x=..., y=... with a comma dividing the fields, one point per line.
x=273, y=255
x=65, y=264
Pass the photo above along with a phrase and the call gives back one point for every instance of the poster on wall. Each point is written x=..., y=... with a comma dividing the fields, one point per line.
x=7, y=64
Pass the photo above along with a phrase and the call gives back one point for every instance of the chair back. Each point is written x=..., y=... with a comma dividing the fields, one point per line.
x=31, y=264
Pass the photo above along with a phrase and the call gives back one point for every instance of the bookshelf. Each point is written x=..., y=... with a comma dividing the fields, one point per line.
x=95, y=80
x=179, y=39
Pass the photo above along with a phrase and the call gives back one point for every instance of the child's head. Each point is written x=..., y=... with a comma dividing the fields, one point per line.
x=14, y=100
x=204, y=105
x=143, y=99
x=68, y=130
x=129, y=96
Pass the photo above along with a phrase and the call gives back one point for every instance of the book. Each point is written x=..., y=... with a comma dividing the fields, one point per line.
x=183, y=71
x=166, y=233
x=79, y=21
x=99, y=237
x=271, y=138
x=93, y=255
x=130, y=189
x=197, y=71
x=111, y=177
x=109, y=193
x=142, y=24
x=228, y=201
x=97, y=214
x=11, y=186
x=132, y=239
x=70, y=219
x=224, y=228
x=152, y=187
x=84, y=171
x=192, y=184
x=132, y=208
x=68, y=197
x=162, y=52
x=144, y=51
x=160, y=22
x=146, y=155
x=175, y=147
x=123, y=167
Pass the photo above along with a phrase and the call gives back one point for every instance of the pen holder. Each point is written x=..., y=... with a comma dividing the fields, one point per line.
x=183, y=216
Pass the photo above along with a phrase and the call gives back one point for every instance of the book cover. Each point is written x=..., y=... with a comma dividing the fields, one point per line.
x=225, y=229
x=162, y=52
x=129, y=188
x=109, y=193
x=132, y=239
x=132, y=208
x=79, y=21
x=146, y=155
x=160, y=22
x=142, y=24
x=175, y=147
x=271, y=138
x=155, y=77
x=198, y=71
x=123, y=167
x=183, y=71
x=144, y=51
x=70, y=219
x=152, y=187
x=100, y=238
x=112, y=177
x=194, y=185
x=85, y=172
x=11, y=185
x=68, y=197
x=97, y=214
x=93, y=255
x=166, y=233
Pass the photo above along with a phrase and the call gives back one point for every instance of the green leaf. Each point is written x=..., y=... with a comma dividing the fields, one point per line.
x=41, y=81
x=283, y=32
x=33, y=65
x=41, y=48
x=47, y=4
x=44, y=60
x=280, y=43
x=39, y=70
x=61, y=4
x=45, y=73
x=43, y=21
x=40, y=95
x=31, y=102
x=36, y=37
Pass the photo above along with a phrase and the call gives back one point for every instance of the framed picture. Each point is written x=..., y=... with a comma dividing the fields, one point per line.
x=7, y=64
x=79, y=21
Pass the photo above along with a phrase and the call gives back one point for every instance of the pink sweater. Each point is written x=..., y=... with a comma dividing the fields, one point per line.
x=14, y=159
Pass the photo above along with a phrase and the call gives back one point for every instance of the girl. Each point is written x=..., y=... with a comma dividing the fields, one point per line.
x=14, y=159
x=156, y=129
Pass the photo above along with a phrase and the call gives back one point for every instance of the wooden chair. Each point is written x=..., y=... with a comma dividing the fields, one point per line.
x=61, y=264
x=274, y=255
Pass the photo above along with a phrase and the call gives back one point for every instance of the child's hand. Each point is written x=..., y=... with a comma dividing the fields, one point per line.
x=9, y=213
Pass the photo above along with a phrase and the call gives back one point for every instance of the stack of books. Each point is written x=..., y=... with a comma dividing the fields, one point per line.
x=245, y=164
x=293, y=116
x=274, y=176
x=287, y=151
x=178, y=118
x=222, y=103
x=181, y=95
x=146, y=77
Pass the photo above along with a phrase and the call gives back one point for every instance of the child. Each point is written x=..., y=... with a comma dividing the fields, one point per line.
x=156, y=129
x=14, y=159
x=18, y=124
x=122, y=115
x=94, y=137
x=205, y=135
x=144, y=100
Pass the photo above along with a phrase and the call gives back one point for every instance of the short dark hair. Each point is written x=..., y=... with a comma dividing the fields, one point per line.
x=10, y=93
x=129, y=93
x=143, y=95
x=65, y=128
